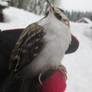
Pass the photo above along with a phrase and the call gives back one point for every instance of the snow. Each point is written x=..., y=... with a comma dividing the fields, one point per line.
x=3, y=3
x=17, y=18
x=86, y=19
x=78, y=64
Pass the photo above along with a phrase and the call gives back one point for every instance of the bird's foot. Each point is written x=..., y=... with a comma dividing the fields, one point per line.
x=62, y=69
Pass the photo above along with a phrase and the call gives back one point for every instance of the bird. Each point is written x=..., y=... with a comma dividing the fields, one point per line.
x=42, y=45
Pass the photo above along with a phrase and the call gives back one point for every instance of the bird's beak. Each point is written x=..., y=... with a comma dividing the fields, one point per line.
x=50, y=6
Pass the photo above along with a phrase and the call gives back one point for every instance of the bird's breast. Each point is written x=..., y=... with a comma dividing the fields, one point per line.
x=53, y=52
x=57, y=40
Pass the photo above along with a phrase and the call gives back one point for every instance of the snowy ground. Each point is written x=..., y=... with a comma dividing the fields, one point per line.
x=78, y=64
x=15, y=18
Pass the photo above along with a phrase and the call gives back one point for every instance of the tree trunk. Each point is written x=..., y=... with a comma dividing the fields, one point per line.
x=35, y=6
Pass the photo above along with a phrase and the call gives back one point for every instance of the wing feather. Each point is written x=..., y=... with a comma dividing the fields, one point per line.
x=28, y=46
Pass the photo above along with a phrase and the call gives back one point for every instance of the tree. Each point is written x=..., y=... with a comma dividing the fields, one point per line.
x=36, y=6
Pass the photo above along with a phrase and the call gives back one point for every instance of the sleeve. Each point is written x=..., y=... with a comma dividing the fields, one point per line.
x=73, y=46
x=55, y=83
x=8, y=39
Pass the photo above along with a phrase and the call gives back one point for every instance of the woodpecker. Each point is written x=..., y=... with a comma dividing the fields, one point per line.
x=42, y=45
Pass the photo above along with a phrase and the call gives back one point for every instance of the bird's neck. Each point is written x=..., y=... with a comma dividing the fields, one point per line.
x=56, y=30
x=47, y=21
x=54, y=26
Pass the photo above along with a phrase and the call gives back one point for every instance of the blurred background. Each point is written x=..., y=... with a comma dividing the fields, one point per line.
x=21, y=13
x=75, y=9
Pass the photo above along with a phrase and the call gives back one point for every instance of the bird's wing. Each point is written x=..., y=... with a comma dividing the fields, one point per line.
x=28, y=46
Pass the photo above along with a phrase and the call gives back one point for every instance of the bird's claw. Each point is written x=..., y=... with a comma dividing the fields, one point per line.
x=39, y=78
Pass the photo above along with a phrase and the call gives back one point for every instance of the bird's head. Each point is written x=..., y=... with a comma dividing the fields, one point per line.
x=58, y=13
x=54, y=15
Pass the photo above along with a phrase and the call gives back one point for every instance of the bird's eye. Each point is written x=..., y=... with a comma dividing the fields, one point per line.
x=47, y=13
x=58, y=16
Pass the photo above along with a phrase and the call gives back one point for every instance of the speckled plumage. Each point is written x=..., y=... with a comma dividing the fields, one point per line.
x=27, y=47
x=42, y=45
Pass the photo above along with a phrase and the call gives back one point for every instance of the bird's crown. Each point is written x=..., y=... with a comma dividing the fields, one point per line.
x=58, y=13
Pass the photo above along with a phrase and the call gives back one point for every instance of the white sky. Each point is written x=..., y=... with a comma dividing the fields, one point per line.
x=79, y=5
